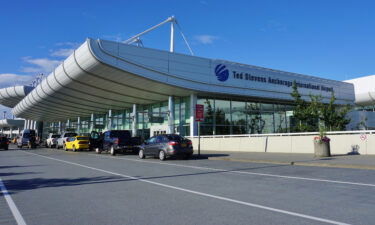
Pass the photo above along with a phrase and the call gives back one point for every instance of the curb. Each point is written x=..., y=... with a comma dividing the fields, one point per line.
x=347, y=166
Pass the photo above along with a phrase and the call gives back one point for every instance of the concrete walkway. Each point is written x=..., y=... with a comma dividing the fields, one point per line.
x=338, y=161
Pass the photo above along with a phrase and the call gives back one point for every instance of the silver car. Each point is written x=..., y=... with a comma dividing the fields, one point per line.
x=52, y=140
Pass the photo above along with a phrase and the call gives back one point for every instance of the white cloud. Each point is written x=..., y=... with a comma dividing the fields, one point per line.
x=114, y=37
x=11, y=79
x=205, y=38
x=40, y=65
x=63, y=52
x=67, y=50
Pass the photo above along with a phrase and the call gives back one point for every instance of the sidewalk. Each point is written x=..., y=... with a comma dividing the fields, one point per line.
x=337, y=161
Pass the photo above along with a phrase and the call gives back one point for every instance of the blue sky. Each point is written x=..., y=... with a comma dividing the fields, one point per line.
x=330, y=39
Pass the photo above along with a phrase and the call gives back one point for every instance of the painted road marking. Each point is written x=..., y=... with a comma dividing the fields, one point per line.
x=199, y=193
x=243, y=172
x=16, y=213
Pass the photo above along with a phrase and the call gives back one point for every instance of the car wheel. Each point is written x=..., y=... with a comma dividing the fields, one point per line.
x=6, y=147
x=162, y=155
x=141, y=154
x=57, y=146
x=74, y=148
x=97, y=150
x=112, y=150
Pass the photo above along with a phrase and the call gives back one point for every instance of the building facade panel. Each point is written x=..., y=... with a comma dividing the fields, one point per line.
x=106, y=79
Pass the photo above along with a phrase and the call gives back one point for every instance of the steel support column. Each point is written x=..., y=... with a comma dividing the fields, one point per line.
x=171, y=115
x=134, y=122
x=193, y=123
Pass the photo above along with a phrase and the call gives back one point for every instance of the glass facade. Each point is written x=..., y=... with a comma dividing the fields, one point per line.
x=243, y=117
x=221, y=117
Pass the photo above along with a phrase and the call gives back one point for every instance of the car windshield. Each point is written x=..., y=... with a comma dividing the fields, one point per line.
x=82, y=138
x=70, y=134
x=120, y=134
x=55, y=136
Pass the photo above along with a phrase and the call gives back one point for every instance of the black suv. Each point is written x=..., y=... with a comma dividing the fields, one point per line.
x=166, y=145
x=4, y=143
x=114, y=141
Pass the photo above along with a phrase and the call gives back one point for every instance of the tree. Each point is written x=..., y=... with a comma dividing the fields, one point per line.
x=334, y=116
x=209, y=115
x=304, y=113
x=309, y=115
x=313, y=112
x=256, y=123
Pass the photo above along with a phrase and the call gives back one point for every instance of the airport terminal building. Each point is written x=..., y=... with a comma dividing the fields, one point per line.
x=111, y=85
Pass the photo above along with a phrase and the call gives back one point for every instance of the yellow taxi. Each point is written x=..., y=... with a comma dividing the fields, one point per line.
x=76, y=143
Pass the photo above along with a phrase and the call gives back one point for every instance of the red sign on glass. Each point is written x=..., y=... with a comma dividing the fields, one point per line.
x=199, y=113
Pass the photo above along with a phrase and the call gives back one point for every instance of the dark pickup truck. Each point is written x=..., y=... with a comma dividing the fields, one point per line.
x=114, y=141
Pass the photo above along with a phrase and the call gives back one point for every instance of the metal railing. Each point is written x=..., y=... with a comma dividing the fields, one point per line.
x=287, y=134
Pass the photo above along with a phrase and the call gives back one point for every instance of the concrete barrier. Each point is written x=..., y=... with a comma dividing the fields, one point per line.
x=361, y=142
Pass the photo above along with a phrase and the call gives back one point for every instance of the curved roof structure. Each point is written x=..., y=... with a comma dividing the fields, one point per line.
x=102, y=75
x=11, y=123
x=11, y=96
x=364, y=90
x=93, y=81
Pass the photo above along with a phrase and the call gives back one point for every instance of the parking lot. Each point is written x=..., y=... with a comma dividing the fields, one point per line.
x=49, y=186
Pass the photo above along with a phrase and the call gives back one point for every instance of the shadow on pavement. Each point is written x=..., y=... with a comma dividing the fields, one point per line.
x=14, y=174
x=206, y=156
x=18, y=185
x=8, y=167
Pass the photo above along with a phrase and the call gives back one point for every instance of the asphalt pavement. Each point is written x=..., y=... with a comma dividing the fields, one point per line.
x=354, y=161
x=49, y=186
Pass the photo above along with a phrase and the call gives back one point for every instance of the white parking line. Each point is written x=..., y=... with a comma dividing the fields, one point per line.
x=16, y=213
x=199, y=193
x=241, y=172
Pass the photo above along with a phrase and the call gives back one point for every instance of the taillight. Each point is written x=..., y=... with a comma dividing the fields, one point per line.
x=7, y=142
x=172, y=143
x=189, y=143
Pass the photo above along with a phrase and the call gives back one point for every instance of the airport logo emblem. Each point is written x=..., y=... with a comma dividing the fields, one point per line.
x=222, y=73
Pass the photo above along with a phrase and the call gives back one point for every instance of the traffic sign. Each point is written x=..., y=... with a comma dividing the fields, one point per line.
x=199, y=112
x=363, y=137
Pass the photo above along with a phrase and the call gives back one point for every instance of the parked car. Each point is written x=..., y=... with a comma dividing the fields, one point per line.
x=4, y=143
x=62, y=139
x=114, y=141
x=52, y=140
x=76, y=143
x=27, y=138
x=166, y=145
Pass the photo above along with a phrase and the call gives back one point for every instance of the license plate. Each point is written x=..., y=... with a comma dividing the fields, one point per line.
x=183, y=145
